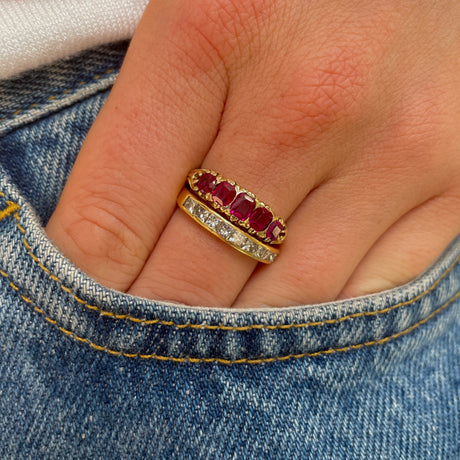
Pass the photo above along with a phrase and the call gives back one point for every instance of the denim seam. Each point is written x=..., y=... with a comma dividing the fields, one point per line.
x=52, y=98
x=229, y=361
x=10, y=209
x=15, y=207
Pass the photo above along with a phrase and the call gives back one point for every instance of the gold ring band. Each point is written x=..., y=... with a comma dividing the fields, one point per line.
x=224, y=229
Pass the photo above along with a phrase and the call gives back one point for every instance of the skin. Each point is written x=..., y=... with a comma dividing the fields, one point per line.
x=343, y=116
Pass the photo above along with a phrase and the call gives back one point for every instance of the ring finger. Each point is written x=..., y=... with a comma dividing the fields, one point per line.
x=190, y=265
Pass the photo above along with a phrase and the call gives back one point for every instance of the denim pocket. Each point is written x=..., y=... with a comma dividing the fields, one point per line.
x=37, y=157
x=121, y=324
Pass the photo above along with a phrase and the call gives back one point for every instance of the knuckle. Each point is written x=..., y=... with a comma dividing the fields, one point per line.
x=221, y=28
x=420, y=121
x=318, y=93
x=416, y=139
x=302, y=99
x=100, y=231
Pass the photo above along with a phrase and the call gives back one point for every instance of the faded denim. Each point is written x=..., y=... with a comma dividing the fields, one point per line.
x=89, y=372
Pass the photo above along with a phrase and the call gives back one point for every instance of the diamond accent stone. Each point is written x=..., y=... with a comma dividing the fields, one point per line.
x=225, y=230
x=213, y=222
x=189, y=205
x=261, y=253
x=250, y=246
x=237, y=238
x=201, y=212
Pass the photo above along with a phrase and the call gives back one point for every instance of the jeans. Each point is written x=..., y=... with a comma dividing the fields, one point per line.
x=90, y=372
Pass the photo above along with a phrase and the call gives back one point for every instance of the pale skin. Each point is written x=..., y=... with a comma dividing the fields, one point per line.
x=343, y=116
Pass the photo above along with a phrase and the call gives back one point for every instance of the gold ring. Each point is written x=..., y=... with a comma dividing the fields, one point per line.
x=233, y=214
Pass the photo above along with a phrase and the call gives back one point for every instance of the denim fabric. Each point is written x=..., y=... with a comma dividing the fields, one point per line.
x=89, y=372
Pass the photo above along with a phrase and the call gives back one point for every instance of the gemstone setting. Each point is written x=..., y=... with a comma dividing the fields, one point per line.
x=230, y=233
x=213, y=222
x=260, y=218
x=238, y=239
x=274, y=230
x=237, y=205
x=224, y=193
x=242, y=206
x=206, y=183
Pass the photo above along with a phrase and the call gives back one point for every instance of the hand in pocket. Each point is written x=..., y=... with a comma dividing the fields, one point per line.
x=342, y=116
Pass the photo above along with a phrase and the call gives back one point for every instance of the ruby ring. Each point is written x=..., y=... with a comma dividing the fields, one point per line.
x=233, y=214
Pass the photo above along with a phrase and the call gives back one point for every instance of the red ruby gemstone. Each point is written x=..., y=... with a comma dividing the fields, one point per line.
x=224, y=193
x=260, y=218
x=242, y=206
x=274, y=229
x=206, y=183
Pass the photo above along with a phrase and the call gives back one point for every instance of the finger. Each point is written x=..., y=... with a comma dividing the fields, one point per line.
x=409, y=247
x=189, y=264
x=329, y=235
x=159, y=121
x=270, y=151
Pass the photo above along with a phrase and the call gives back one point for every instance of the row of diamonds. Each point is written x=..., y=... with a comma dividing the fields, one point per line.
x=239, y=205
x=227, y=231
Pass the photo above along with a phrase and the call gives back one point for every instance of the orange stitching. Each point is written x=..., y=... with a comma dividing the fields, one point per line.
x=221, y=326
x=11, y=207
x=243, y=360
x=51, y=98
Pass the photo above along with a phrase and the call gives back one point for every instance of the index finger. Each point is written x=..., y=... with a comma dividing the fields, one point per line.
x=158, y=123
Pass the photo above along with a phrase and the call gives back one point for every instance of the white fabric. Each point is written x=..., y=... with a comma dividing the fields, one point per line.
x=36, y=32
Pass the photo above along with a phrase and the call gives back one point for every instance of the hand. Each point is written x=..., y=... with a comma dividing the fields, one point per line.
x=343, y=116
